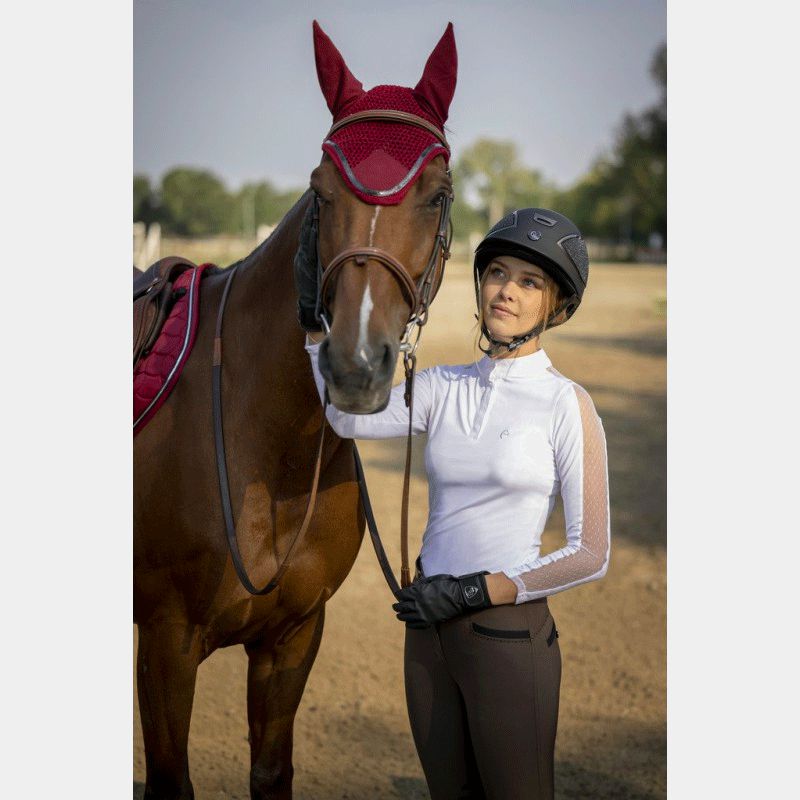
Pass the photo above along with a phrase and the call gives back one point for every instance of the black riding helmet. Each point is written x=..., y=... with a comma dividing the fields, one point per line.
x=544, y=238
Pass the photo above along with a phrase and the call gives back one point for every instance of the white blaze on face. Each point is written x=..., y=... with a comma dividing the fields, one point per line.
x=363, y=324
x=362, y=350
x=372, y=224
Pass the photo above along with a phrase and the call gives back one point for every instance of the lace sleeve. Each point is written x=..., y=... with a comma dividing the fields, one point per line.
x=389, y=423
x=579, y=446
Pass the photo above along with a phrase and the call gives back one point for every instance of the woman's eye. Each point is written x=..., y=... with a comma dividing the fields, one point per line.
x=497, y=271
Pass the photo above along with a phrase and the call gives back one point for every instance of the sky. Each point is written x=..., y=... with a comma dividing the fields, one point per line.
x=232, y=87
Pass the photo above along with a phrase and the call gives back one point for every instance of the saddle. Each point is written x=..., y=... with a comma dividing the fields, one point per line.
x=153, y=298
x=166, y=318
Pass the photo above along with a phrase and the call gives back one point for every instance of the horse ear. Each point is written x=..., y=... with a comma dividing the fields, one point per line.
x=336, y=81
x=438, y=82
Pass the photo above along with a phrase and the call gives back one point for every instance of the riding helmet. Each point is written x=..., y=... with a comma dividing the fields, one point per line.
x=545, y=238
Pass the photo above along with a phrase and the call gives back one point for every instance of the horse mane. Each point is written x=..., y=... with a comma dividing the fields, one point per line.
x=261, y=249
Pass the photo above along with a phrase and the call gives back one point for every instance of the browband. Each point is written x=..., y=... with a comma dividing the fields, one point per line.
x=389, y=115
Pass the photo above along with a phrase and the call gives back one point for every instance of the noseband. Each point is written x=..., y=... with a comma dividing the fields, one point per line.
x=419, y=293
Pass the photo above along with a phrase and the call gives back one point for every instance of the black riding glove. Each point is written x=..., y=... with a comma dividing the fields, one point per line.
x=305, y=274
x=441, y=597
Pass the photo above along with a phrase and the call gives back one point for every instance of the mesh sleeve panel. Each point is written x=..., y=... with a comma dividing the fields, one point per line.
x=580, y=450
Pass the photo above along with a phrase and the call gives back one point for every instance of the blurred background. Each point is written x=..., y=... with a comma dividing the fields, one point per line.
x=558, y=104
x=561, y=105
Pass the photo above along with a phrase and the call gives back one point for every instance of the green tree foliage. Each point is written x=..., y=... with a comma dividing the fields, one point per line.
x=491, y=174
x=261, y=204
x=144, y=202
x=466, y=218
x=195, y=203
x=623, y=197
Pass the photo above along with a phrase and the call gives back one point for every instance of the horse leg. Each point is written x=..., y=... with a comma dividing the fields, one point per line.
x=166, y=669
x=276, y=677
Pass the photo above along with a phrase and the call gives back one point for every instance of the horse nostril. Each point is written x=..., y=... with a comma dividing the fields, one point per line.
x=378, y=359
x=388, y=358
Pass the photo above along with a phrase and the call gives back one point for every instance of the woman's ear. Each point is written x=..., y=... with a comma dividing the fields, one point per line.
x=561, y=318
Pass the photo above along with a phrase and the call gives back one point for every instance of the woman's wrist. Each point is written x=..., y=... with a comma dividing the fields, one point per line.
x=502, y=590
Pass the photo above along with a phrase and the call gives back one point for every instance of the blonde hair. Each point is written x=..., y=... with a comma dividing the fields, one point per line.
x=551, y=297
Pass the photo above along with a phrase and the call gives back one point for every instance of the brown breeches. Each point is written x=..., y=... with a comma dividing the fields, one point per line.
x=482, y=693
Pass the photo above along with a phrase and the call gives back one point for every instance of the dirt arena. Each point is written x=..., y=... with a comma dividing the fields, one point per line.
x=352, y=738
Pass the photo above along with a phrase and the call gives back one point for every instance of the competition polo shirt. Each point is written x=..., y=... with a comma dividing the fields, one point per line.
x=504, y=438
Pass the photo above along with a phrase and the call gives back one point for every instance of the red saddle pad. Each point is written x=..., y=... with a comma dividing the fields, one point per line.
x=157, y=373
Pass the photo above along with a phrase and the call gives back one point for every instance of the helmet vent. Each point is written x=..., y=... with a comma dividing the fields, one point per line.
x=575, y=248
x=549, y=221
x=508, y=221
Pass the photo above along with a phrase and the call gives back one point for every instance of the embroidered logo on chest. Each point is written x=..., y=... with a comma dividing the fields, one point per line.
x=505, y=433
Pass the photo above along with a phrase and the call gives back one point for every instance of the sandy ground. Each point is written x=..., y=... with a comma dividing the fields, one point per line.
x=352, y=738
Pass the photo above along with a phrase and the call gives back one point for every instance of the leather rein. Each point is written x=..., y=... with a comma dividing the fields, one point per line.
x=419, y=294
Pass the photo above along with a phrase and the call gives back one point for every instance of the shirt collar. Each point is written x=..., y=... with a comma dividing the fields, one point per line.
x=514, y=368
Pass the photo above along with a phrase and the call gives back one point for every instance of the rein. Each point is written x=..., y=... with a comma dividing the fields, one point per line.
x=222, y=469
x=419, y=295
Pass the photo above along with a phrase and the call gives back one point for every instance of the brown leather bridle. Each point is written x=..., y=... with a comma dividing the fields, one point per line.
x=419, y=294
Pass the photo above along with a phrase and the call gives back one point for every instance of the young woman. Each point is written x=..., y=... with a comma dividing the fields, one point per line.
x=506, y=434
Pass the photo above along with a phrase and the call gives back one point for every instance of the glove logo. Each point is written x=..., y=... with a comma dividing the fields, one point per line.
x=470, y=592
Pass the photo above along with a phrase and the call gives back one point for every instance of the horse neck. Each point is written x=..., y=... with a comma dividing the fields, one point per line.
x=263, y=297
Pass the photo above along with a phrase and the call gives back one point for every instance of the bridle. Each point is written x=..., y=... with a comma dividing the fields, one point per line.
x=419, y=293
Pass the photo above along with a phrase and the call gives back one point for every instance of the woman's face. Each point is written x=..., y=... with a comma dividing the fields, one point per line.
x=512, y=296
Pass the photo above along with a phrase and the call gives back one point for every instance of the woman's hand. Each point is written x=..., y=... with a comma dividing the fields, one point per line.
x=502, y=590
x=441, y=597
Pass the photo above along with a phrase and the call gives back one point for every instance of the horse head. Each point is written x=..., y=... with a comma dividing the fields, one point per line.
x=382, y=195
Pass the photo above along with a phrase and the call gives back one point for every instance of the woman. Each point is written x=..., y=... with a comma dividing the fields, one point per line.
x=505, y=435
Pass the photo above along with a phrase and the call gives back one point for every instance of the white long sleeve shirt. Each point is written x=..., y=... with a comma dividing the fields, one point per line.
x=504, y=437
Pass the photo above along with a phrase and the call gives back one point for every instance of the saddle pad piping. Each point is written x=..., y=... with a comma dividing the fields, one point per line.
x=179, y=359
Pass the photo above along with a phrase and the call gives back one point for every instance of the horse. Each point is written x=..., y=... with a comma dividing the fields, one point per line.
x=188, y=599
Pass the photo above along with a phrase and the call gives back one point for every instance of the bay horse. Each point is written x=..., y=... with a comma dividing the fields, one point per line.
x=188, y=600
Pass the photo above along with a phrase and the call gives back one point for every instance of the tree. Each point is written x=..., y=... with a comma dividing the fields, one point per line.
x=493, y=172
x=195, y=203
x=624, y=194
x=144, y=202
x=490, y=180
x=261, y=204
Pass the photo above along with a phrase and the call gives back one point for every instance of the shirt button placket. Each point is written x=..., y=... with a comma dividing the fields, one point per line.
x=477, y=426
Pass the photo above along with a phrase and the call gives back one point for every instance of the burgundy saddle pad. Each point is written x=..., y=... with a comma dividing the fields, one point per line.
x=157, y=373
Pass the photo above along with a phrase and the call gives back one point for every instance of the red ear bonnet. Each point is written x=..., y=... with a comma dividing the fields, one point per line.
x=336, y=81
x=379, y=160
x=438, y=82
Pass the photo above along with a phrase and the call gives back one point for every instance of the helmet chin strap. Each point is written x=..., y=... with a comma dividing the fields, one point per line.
x=516, y=341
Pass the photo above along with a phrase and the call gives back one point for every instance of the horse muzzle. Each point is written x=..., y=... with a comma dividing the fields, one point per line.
x=358, y=382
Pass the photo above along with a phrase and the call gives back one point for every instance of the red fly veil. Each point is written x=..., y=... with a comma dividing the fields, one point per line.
x=380, y=160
